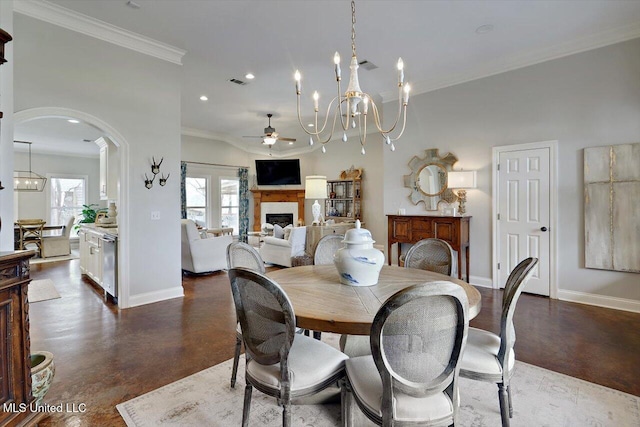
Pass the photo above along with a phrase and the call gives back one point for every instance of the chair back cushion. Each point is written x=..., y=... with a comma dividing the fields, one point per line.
x=417, y=339
x=327, y=248
x=431, y=254
x=516, y=281
x=265, y=314
x=68, y=226
x=241, y=254
x=189, y=231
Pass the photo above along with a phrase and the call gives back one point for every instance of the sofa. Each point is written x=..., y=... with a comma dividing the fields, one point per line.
x=200, y=255
x=280, y=250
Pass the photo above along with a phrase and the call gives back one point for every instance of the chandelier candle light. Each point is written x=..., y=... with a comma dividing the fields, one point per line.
x=356, y=102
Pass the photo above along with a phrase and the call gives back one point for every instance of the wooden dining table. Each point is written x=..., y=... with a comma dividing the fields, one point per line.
x=322, y=303
x=16, y=233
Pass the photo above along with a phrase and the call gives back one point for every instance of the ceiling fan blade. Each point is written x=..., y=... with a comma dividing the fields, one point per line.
x=287, y=139
x=253, y=136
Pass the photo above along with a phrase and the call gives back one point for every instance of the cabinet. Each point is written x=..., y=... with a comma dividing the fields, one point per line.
x=317, y=232
x=91, y=255
x=345, y=199
x=15, y=361
x=412, y=228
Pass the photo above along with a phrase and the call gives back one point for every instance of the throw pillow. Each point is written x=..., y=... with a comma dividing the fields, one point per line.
x=278, y=231
x=287, y=231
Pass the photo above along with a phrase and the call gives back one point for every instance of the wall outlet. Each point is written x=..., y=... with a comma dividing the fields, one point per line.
x=155, y=215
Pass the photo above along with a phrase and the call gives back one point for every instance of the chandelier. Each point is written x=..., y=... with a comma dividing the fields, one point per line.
x=28, y=180
x=353, y=107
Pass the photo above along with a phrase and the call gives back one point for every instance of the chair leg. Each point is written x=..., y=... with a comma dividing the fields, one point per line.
x=236, y=359
x=510, y=401
x=346, y=403
x=504, y=404
x=247, y=405
x=286, y=414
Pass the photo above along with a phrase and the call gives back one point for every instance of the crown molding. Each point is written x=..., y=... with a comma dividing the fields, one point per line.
x=583, y=44
x=74, y=21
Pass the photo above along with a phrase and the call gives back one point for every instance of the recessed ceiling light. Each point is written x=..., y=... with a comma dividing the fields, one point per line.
x=249, y=76
x=204, y=98
x=482, y=29
x=290, y=142
x=310, y=125
x=74, y=121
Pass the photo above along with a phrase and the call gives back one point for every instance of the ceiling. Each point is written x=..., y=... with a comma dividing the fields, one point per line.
x=437, y=40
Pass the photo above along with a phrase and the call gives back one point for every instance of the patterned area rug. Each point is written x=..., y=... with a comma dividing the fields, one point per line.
x=42, y=290
x=540, y=398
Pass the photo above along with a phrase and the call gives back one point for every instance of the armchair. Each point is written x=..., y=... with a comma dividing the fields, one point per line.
x=58, y=245
x=280, y=251
x=201, y=255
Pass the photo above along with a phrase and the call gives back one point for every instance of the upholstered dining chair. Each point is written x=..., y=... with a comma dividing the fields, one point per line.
x=59, y=244
x=326, y=249
x=279, y=362
x=241, y=254
x=434, y=255
x=411, y=377
x=490, y=357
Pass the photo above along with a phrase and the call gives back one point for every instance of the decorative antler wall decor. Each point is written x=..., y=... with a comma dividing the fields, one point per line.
x=155, y=170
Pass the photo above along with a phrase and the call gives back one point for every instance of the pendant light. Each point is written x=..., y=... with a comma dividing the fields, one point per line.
x=28, y=180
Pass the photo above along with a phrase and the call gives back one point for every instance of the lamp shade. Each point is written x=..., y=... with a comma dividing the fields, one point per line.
x=461, y=179
x=315, y=187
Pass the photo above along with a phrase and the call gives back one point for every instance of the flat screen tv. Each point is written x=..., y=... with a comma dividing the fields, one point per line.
x=278, y=172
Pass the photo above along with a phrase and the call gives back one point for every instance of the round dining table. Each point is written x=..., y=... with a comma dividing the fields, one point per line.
x=322, y=303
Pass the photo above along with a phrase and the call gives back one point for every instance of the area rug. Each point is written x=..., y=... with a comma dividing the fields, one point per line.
x=74, y=255
x=42, y=290
x=540, y=398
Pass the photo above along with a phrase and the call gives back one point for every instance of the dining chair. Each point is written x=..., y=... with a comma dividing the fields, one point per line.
x=31, y=231
x=279, y=362
x=434, y=255
x=326, y=249
x=489, y=357
x=240, y=254
x=411, y=377
x=59, y=244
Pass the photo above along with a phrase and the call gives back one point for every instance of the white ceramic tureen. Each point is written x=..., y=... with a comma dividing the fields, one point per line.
x=358, y=262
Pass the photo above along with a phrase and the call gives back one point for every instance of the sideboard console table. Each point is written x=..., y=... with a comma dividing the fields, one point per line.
x=412, y=228
x=15, y=361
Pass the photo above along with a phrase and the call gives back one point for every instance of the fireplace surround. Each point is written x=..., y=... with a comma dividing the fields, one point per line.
x=276, y=196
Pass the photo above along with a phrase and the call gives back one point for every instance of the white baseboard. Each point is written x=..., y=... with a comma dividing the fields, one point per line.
x=600, y=300
x=150, y=297
x=483, y=282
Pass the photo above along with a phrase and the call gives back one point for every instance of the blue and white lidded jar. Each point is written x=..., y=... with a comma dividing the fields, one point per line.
x=358, y=262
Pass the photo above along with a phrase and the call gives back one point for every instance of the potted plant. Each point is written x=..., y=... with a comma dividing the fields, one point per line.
x=88, y=214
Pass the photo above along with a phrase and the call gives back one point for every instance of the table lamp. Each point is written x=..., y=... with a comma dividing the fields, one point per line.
x=461, y=181
x=315, y=187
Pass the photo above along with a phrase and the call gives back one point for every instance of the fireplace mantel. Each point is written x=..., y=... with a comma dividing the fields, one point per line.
x=276, y=196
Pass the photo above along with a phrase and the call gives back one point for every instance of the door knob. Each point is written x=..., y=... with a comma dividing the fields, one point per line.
x=543, y=229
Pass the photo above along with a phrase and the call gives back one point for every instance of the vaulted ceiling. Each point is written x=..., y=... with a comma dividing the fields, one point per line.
x=442, y=43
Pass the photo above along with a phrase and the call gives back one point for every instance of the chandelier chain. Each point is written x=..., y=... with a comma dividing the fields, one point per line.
x=353, y=28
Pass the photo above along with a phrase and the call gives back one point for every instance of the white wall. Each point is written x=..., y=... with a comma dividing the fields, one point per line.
x=6, y=130
x=584, y=100
x=34, y=204
x=137, y=96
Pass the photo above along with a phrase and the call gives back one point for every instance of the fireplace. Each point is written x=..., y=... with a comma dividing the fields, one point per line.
x=282, y=219
x=273, y=201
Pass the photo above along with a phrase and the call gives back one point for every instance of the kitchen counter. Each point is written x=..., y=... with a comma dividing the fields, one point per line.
x=101, y=229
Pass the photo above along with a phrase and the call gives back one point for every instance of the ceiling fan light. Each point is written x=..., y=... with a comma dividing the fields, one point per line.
x=269, y=140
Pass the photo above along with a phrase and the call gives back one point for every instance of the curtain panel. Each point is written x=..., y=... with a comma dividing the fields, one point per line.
x=243, y=174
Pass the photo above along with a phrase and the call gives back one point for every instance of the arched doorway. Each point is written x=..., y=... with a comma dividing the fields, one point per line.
x=122, y=196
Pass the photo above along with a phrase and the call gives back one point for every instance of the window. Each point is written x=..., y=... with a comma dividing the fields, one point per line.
x=230, y=203
x=197, y=200
x=67, y=195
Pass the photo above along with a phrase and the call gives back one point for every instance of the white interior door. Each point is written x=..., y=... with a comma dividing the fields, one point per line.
x=523, y=220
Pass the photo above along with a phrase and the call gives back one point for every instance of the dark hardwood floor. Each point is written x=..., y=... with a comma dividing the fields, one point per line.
x=104, y=356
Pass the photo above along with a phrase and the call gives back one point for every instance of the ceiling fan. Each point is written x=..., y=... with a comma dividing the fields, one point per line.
x=271, y=136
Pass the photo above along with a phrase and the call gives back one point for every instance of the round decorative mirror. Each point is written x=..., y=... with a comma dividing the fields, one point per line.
x=432, y=180
x=428, y=179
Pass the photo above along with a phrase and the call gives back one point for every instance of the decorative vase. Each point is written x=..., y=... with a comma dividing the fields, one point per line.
x=112, y=212
x=42, y=371
x=358, y=262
